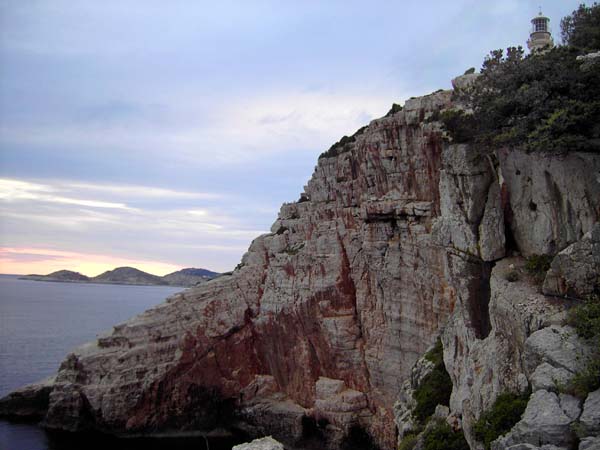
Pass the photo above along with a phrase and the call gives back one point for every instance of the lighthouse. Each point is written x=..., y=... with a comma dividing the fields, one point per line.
x=540, y=37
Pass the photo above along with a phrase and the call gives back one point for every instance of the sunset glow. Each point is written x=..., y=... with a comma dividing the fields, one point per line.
x=24, y=261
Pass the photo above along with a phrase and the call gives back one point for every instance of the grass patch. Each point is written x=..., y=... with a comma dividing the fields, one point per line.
x=435, y=388
x=442, y=437
x=504, y=414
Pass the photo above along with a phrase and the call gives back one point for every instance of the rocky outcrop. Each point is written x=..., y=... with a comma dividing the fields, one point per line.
x=553, y=199
x=575, y=271
x=267, y=443
x=398, y=237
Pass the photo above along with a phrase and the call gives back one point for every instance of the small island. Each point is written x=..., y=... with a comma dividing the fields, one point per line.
x=130, y=275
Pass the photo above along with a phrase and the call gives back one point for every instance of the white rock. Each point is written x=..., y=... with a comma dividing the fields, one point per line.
x=266, y=443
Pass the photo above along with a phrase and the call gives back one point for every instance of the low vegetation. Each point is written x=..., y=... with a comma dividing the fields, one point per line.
x=440, y=436
x=408, y=442
x=343, y=145
x=585, y=318
x=538, y=265
x=503, y=415
x=545, y=101
x=435, y=388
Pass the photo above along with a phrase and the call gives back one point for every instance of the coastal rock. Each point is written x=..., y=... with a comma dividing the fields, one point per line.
x=267, y=443
x=575, y=271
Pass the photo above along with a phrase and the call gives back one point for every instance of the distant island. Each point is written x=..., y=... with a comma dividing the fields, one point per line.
x=130, y=275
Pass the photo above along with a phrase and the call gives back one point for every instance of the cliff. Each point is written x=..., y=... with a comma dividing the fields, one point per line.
x=399, y=237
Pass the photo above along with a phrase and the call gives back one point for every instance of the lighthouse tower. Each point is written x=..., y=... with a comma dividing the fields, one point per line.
x=540, y=36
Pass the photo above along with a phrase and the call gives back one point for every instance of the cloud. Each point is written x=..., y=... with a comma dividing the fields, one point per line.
x=16, y=190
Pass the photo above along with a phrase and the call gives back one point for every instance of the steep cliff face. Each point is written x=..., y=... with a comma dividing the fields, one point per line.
x=324, y=317
x=313, y=335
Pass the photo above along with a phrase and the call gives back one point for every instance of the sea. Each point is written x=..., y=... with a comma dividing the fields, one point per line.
x=40, y=323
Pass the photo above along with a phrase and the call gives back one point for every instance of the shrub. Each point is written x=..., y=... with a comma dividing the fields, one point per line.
x=582, y=28
x=441, y=437
x=585, y=318
x=395, y=108
x=544, y=101
x=458, y=124
x=435, y=388
x=408, y=442
x=538, y=265
x=504, y=414
x=342, y=145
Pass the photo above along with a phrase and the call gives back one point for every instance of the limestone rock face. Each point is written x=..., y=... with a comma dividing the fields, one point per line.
x=554, y=200
x=590, y=418
x=575, y=271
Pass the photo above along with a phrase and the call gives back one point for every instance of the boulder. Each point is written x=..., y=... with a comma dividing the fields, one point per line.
x=543, y=422
x=575, y=271
x=590, y=417
x=266, y=443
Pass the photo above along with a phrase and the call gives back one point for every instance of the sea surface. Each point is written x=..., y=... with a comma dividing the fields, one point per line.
x=40, y=322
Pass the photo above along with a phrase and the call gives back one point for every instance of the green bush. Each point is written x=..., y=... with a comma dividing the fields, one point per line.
x=435, y=388
x=585, y=318
x=408, y=442
x=504, y=414
x=582, y=28
x=395, y=108
x=441, y=437
x=458, y=124
x=543, y=101
x=538, y=265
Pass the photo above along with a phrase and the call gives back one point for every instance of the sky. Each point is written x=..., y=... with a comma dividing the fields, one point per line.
x=164, y=135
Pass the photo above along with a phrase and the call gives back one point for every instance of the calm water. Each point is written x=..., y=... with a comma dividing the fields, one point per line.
x=40, y=322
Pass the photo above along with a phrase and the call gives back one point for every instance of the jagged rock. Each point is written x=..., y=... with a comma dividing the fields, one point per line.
x=543, y=422
x=558, y=346
x=406, y=403
x=483, y=367
x=590, y=443
x=491, y=229
x=30, y=401
x=590, y=417
x=575, y=271
x=266, y=443
x=549, y=378
x=570, y=405
x=465, y=81
x=554, y=200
